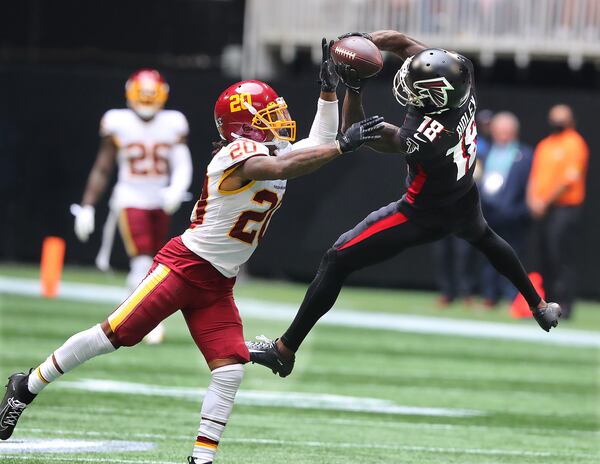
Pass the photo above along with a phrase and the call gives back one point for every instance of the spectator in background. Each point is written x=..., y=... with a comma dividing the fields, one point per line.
x=555, y=195
x=455, y=270
x=457, y=262
x=506, y=167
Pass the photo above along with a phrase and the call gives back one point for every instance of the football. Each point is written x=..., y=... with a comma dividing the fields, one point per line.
x=359, y=53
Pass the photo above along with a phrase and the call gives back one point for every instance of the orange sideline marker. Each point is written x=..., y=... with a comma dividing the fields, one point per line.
x=519, y=308
x=53, y=257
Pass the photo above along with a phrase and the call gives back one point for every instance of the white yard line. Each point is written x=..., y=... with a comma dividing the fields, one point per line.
x=270, y=399
x=427, y=449
x=252, y=420
x=69, y=460
x=337, y=317
x=65, y=445
x=330, y=445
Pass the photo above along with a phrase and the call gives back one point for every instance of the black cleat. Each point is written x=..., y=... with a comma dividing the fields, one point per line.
x=192, y=460
x=264, y=352
x=548, y=316
x=13, y=404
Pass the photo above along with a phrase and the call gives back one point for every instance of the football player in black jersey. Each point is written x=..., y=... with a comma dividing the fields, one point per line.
x=438, y=139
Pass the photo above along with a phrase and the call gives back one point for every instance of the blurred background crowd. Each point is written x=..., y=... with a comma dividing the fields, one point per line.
x=537, y=69
x=531, y=197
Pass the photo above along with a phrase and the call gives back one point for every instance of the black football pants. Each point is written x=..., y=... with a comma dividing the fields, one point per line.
x=385, y=233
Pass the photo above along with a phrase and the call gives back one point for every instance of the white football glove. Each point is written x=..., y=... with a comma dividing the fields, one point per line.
x=84, y=222
x=171, y=200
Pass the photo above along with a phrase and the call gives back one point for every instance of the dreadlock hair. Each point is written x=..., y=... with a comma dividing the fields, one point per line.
x=218, y=145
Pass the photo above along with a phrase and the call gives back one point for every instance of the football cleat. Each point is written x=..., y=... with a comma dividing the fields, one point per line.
x=16, y=399
x=264, y=351
x=548, y=316
x=192, y=460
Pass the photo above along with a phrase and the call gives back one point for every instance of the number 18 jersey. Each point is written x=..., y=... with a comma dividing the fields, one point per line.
x=228, y=225
x=441, y=150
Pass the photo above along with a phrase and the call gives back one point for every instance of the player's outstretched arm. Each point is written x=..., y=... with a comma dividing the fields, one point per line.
x=397, y=43
x=306, y=160
x=324, y=128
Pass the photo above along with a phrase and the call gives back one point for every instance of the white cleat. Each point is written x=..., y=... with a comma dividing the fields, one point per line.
x=156, y=335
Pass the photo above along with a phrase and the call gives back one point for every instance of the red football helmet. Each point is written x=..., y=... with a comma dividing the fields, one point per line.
x=146, y=92
x=253, y=110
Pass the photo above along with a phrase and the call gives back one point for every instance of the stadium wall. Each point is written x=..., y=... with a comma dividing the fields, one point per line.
x=49, y=137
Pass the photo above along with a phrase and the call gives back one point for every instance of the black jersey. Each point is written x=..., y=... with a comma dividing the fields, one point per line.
x=441, y=149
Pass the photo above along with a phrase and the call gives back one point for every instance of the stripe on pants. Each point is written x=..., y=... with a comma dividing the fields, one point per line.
x=126, y=233
x=148, y=284
x=381, y=225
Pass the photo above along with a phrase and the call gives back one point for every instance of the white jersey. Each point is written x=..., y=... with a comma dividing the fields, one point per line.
x=144, y=155
x=228, y=225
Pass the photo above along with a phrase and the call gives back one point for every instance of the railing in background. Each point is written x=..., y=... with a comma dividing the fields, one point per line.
x=523, y=29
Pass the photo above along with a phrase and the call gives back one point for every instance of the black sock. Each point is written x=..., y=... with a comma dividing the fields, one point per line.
x=507, y=263
x=319, y=298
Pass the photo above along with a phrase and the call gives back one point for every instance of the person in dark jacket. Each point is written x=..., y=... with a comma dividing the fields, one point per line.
x=506, y=168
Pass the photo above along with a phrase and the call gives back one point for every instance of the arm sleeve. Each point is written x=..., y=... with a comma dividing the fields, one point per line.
x=180, y=163
x=324, y=128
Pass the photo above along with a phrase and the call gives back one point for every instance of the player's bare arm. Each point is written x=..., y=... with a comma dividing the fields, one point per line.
x=352, y=111
x=303, y=161
x=101, y=172
x=397, y=43
x=95, y=187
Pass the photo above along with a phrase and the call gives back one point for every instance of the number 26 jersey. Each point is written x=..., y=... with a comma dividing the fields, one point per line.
x=226, y=226
x=144, y=154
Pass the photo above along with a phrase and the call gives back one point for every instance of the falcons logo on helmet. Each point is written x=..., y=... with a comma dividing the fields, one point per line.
x=435, y=89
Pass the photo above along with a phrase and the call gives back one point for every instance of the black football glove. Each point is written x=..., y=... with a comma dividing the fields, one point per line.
x=356, y=34
x=548, y=316
x=349, y=76
x=328, y=77
x=360, y=133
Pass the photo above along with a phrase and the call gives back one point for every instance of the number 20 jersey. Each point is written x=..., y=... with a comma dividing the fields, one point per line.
x=143, y=155
x=228, y=225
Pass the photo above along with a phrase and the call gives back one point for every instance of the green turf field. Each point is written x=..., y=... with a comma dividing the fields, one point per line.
x=394, y=397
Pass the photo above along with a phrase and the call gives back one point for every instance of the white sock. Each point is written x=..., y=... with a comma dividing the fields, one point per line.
x=138, y=268
x=75, y=351
x=216, y=408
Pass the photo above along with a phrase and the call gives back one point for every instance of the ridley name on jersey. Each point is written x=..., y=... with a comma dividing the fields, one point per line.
x=227, y=225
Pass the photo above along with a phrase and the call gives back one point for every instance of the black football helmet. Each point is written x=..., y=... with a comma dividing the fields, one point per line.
x=433, y=79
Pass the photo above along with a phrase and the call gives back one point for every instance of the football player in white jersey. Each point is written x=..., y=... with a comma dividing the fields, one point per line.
x=195, y=272
x=148, y=143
